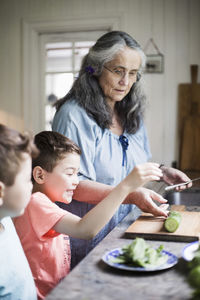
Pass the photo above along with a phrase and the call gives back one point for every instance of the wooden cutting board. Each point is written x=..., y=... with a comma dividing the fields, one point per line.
x=190, y=153
x=150, y=227
x=189, y=123
x=188, y=97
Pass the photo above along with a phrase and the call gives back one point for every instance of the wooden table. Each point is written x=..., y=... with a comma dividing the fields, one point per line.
x=93, y=279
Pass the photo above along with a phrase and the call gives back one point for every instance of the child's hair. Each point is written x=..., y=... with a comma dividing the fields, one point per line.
x=53, y=146
x=12, y=147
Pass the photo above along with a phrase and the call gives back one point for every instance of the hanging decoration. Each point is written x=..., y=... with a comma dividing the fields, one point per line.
x=154, y=62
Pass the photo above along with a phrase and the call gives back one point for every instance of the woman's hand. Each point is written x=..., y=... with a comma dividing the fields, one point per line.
x=144, y=199
x=173, y=176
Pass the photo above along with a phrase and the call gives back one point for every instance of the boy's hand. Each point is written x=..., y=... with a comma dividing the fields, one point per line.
x=142, y=174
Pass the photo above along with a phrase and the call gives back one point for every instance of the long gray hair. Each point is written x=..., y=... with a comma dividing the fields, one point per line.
x=88, y=93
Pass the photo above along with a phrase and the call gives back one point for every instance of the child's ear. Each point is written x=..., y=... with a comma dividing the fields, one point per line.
x=39, y=175
x=2, y=188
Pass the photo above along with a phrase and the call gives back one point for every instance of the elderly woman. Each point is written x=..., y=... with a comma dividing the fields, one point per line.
x=103, y=114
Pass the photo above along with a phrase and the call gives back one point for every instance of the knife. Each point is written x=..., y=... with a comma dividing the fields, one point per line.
x=172, y=187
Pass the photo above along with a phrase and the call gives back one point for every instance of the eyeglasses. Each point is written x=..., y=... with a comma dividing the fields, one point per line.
x=120, y=73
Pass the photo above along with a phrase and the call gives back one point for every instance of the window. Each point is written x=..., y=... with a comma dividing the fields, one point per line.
x=64, y=55
x=63, y=62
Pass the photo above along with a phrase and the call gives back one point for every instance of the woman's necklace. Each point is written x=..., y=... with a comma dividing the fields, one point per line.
x=116, y=128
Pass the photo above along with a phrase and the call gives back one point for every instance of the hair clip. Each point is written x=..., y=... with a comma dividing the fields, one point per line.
x=89, y=70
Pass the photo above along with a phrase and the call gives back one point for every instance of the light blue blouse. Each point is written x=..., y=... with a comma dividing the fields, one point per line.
x=101, y=161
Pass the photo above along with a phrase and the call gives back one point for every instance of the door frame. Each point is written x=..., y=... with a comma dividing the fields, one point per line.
x=33, y=68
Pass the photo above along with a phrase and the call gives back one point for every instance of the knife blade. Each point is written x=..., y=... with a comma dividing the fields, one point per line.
x=172, y=187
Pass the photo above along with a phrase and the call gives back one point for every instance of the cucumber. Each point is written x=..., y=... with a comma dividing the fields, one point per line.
x=173, y=221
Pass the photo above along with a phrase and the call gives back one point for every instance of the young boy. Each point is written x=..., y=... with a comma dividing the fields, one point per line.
x=16, y=280
x=44, y=228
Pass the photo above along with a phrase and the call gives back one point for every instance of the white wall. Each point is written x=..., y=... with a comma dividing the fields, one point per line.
x=173, y=24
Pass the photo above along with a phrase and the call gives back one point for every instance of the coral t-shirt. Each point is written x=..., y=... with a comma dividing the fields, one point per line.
x=48, y=252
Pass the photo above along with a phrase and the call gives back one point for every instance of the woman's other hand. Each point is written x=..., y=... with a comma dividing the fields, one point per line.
x=174, y=176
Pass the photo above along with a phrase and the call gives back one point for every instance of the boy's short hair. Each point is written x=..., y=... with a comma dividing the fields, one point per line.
x=13, y=145
x=53, y=146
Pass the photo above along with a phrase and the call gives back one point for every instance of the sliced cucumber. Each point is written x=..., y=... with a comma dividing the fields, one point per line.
x=173, y=221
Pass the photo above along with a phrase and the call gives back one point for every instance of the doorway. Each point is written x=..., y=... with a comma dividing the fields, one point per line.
x=36, y=35
x=63, y=56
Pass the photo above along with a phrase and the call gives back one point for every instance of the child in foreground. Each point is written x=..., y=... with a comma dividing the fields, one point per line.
x=16, y=280
x=44, y=229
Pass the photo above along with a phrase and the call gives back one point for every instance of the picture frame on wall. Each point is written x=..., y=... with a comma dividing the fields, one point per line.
x=154, y=63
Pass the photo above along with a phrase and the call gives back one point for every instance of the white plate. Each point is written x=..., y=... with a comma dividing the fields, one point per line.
x=188, y=250
x=109, y=256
